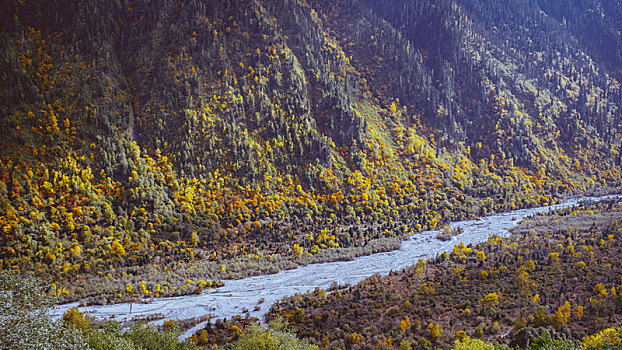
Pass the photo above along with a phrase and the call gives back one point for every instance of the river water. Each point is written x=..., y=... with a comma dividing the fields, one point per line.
x=238, y=296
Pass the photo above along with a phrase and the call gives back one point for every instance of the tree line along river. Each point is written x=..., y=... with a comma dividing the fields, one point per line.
x=255, y=295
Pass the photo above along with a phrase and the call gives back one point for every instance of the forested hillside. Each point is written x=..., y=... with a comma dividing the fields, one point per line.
x=155, y=146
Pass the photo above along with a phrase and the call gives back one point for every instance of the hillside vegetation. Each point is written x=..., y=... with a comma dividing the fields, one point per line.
x=151, y=148
x=561, y=281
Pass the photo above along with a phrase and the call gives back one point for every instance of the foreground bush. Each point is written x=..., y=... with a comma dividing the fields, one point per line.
x=24, y=319
x=477, y=344
x=610, y=338
x=110, y=335
x=548, y=342
x=276, y=337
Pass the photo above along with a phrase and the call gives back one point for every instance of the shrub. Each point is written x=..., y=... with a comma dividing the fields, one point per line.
x=110, y=335
x=477, y=344
x=548, y=342
x=24, y=319
x=277, y=337
x=610, y=339
x=109, y=338
x=151, y=338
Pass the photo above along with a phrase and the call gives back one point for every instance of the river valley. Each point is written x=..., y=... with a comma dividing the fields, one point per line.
x=255, y=295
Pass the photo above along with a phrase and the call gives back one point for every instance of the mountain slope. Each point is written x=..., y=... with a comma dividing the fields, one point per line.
x=163, y=134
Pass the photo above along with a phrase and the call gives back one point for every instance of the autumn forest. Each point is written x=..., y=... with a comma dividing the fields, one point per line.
x=153, y=148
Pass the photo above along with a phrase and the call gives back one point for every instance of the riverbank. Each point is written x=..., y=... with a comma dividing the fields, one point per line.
x=194, y=276
x=243, y=296
x=197, y=277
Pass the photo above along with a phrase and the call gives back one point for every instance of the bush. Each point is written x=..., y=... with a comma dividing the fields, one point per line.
x=109, y=338
x=548, y=342
x=477, y=344
x=151, y=338
x=24, y=319
x=76, y=319
x=278, y=337
x=610, y=339
x=110, y=335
